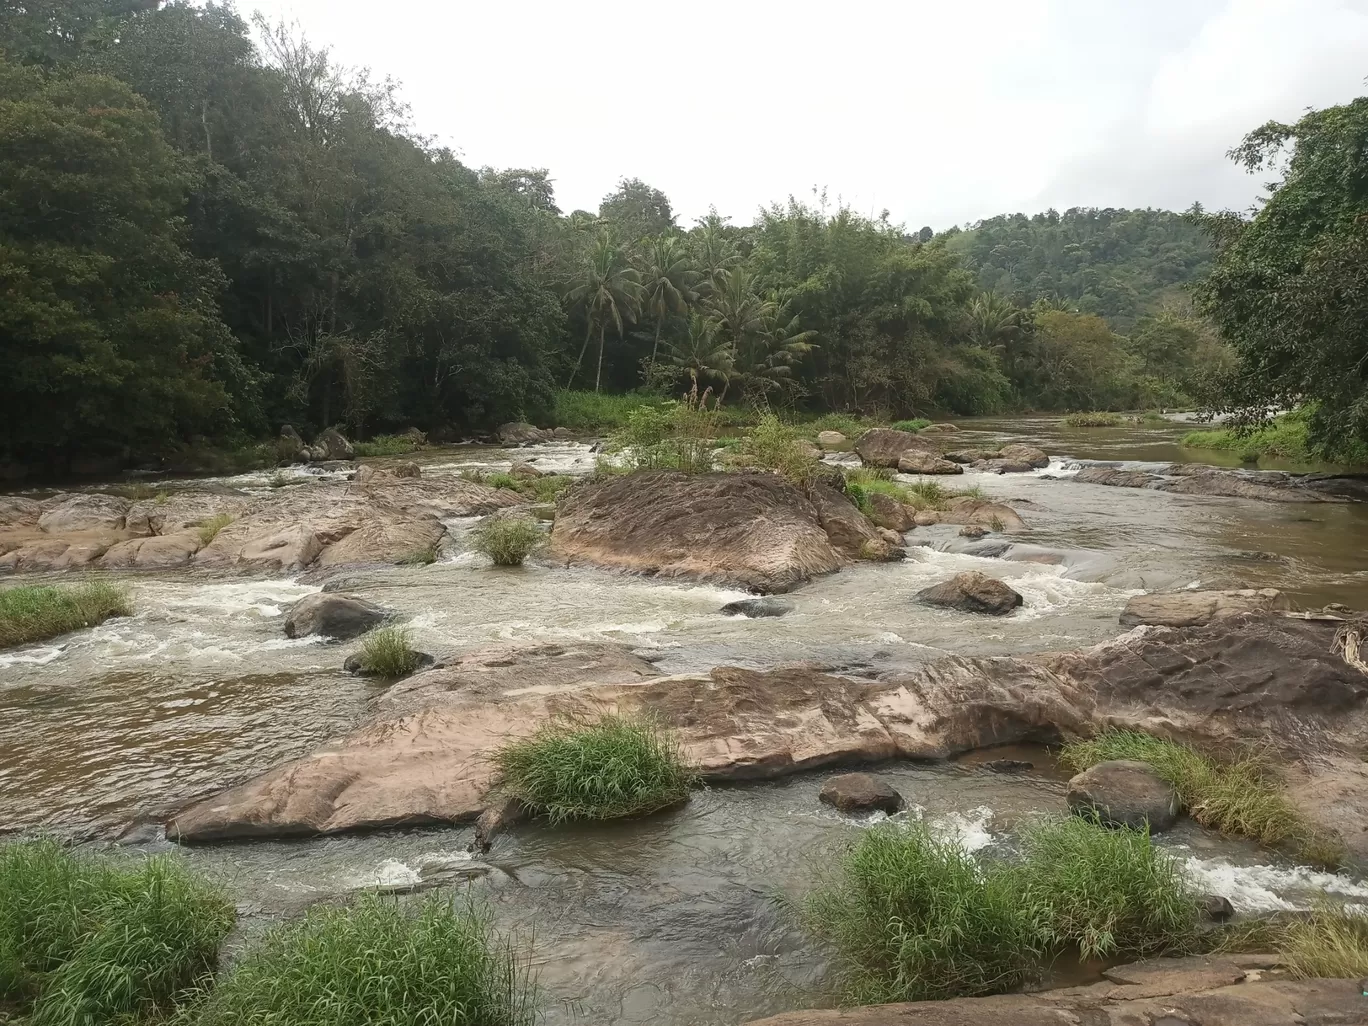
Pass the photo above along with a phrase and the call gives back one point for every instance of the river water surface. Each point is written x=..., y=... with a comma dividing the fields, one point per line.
x=683, y=918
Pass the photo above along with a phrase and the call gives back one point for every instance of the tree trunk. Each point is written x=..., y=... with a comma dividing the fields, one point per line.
x=650, y=368
x=598, y=375
x=588, y=331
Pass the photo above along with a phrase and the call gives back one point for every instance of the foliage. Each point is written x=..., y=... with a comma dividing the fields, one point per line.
x=1092, y=420
x=911, y=425
x=387, y=445
x=209, y=530
x=1330, y=943
x=388, y=652
x=1285, y=437
x=913, y=917
x=423, y=555
x=773, y=445
x=381, y=962
x=1288, y=286
x=617, y=766
x=507, y=540
x=595, y=411
x=35, y=612
x=670, y=435
x=102, y=939
x=1236, y=796
x=1106, y=891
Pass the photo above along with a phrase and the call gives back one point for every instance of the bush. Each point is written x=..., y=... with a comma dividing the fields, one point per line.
x=1236, y=796
x=773, y=445
x=670, y=435
x=846, y=423
x=1106, y=891
x=597, y=411
x=617, y=766
x=914, y=425
x=98, y=939
x=1286, y=437
x=34, y=612
x=423, y=555
x=209, y=530
x=387, y=445
x=388, y=652
x=1092, y=420
x=507, y=540
x=915, y=918
x=378, y=962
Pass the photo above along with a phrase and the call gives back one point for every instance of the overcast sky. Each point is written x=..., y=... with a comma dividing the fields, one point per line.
x=941, y=111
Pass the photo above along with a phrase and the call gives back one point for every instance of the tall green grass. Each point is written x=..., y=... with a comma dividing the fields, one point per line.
x=34, y=612
x=388, y=652
x=614, y=767
x=1237, y=796
x=210, y=529
x=1285, y=437
x=101, y=939
x=387, y=445
x=597, y=411
x=774, y=445
x=378, y=962
x=914, y=425
x=507, y=540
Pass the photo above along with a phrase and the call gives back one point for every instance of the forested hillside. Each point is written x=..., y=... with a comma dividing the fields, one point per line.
x=210, y=228
x=1118, y=264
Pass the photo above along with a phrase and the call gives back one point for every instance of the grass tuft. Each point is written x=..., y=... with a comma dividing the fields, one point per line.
x=380, y=962
x=102, y=939
x=507, y=540
x=387, y=445
x=209, y=530
x=1236, y=796
x=773, y=445
x=617, y=766
x=35, y=612
x=1093, y=420
x=914, y=425
x=388, y=652
x=1330, y=943
x=423, y=555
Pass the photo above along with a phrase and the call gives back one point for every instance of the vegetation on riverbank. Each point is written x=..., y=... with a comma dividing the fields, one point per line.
x=1238, y=796
x=387, y=652
x=210, y=529
x=507, y=540
x=377, y=961
x=389, y=445
x=614, y=767
x=96, y=939
x=1286, y=437
x=915, y=917
x=923, y=494
x=36, y=612
x=1092, y=420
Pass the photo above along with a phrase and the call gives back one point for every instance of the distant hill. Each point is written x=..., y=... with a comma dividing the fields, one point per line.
x=1119, y=264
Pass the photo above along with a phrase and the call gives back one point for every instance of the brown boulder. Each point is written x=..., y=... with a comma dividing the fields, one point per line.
x=157, y=552
x=1003, y=467
x=16, y=511
x=520, y=433
x=524, y=470
x=1124, y=793
x=851, y=533
x=888, y=512
x=883, y=447
x=831, y=439
x=972, y=592
x=964, y=510
x=84, y=512
x=919, y=461
x=860, y=792
x=971, y=455
x=334, y=445
x=1115, y=477
x=751, y=530
x=332, y=615
x=384, y=541
x=1197, y=608
x=1027, y=454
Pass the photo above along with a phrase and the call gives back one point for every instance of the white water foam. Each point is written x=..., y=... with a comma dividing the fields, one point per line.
x=969, y=830
x=1270, y=888
x=1045, y=588
x=1059, y=466
x=38, y=655
x=397, y=873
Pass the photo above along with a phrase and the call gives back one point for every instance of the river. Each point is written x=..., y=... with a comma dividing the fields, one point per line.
x=681, y=918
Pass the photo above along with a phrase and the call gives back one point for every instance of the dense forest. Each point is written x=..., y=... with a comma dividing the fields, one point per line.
x=210, y=228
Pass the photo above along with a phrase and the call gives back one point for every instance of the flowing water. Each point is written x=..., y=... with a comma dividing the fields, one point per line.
x=682, y=918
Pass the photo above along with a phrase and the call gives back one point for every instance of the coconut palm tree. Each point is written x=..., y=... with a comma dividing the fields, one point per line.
x=766, y=357
x=994, y=322
x=668, y=277
x=714, y=254
x=608, y=288
x=700, y=353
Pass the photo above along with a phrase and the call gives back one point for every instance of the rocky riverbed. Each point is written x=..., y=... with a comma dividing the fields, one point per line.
x=201, y=713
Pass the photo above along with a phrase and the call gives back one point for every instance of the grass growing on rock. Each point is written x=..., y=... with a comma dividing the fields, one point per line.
x=614, y=767
x=774, y=445
x=86, y=939
x=380, y=962
x=388, y=652
x=210, y=529
x=914, y=425
x=1093, y=420
x=1235, y=796
x=422, y=555
x=507, y=540
x=34, y=612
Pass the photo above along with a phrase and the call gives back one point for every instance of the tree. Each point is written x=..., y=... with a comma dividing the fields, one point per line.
x=636, y=210
x=607, y=288
x=700, y=353
x=1288, y=287
x=668, y=277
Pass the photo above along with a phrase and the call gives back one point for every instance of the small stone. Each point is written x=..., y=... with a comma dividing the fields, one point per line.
x=1217, y=908
x=973, y=531
x=860, y=792
x=766, y=605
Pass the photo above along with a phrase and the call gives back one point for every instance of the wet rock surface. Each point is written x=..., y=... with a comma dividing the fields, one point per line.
x=972, y=592
x=332, y=615
x=859, y=793
x=755, y=608
x=1197, y=479
x=1198, y=608
x=884, y=447
x=1123, y=793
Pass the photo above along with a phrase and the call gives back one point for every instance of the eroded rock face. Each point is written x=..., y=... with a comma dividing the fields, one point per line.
x=754, y=531
x=1123, y=793
x=1233, y=990
x=884, y=447
x=972, y=592
x=860, y=792
x=919, y=461
x=889, y=513
x=333, y=616
x=1198, y=608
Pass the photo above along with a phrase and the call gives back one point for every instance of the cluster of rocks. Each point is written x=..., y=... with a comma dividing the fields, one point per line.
x=916, y=454
x=520, y=433
x=1199, y=479
x=330, y=444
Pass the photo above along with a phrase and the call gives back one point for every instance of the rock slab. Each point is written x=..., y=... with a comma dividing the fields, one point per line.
x=1198, y=608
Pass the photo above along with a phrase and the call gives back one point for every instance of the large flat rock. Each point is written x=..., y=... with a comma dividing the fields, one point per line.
x=1198, y=608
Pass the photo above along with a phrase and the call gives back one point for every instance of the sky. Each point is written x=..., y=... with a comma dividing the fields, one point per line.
x=942, y=112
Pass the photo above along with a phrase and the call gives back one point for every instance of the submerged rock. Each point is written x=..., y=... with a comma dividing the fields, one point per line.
x=767, y=605
x=333, y=615
x=1197, y=608
x=884, y=447
x=972, y=592
x=1125, y=793
x=860, y=792
x=1197, y=479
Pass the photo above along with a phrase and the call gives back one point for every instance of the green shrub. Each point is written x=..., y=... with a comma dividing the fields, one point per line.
x=388, y=652
x=379, y=962
x=1285, y=437
x=422, y=555
x=913, y=425
x=597, y=411
x=617, y=766
x=670, y=435
x=1092, y=420
x=1105, y=891
x=859, y=494
x=773, y=445
x=507, y=540
x=846, y=423
x=87, y=939
x=34, y=612
x=549, y=487
x=387, y=445
x=1236, y=796
x=915, y=918
x=209, y=530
